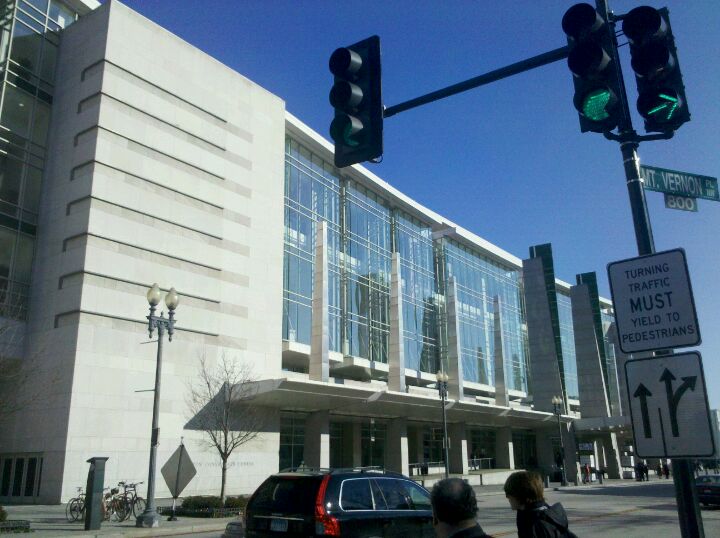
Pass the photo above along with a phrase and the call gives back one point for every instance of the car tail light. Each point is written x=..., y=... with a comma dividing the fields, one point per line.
x=325, y=524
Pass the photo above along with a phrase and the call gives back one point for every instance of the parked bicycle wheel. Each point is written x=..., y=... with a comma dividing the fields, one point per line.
x=74, y=509
x=138, y=506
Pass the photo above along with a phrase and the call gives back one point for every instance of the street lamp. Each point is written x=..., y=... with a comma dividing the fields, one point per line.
x=150, y=517
x=442, y=381
x=557, y=402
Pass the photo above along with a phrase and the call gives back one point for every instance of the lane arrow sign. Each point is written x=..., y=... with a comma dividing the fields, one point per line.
x=642, y=392
x=673, y=398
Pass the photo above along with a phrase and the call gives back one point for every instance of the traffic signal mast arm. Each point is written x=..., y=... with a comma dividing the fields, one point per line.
x=480, y=80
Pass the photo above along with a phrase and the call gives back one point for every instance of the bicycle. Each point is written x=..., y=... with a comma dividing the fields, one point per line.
x=75, y=508
x=135, y=505
x=114, y=505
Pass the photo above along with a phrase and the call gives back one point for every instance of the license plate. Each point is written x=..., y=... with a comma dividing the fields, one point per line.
x=707, y=491
x=279, y=525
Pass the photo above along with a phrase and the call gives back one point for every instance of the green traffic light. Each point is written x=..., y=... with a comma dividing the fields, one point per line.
x=596, y=103
x=662, y=106
x=668, y=106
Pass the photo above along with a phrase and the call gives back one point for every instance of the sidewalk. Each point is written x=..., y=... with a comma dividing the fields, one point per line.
x=50, y=521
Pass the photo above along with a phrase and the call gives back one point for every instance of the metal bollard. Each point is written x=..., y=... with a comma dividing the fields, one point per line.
x=547, y=481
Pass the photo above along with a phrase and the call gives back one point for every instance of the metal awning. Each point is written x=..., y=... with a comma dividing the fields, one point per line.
x=302, y=395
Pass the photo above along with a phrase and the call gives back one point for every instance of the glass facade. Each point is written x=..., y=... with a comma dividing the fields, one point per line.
x=368, y=255
x=363, y=232
x=28, y=51
x=479, y=280
x=413, y=241
x=567, y=341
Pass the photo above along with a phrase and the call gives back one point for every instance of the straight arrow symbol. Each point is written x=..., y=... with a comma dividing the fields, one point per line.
x=642, y=392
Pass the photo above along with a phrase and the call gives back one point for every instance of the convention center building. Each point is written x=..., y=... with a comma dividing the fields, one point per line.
x=128, y=157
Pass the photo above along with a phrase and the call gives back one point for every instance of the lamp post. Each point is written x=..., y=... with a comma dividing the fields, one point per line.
x=150, y=517
x=557, y=402
x=442, y=381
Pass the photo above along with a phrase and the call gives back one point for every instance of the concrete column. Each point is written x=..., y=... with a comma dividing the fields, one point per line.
x=544, y=360
x=572, y=469
x=501, y=391
x=396, y=448
x=320, y=338
x=611, y=455
x=396, y=359
x=455, y=370
x=544, y=448
x=591, y=374
x=351, y=445
x=458, y=448
x=317, y=440
x=504, y=455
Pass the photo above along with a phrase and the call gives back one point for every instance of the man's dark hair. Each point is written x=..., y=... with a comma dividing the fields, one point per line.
x=453, y=500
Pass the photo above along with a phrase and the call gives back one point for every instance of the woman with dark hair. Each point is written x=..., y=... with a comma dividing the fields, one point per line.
x=535, y=518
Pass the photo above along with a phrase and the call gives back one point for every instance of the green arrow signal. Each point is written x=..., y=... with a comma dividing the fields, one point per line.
x=669, y=102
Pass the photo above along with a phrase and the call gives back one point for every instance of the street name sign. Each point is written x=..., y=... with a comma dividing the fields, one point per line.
x=669, y=407
x=680, y=202
x=653, y=301
x=680, y=183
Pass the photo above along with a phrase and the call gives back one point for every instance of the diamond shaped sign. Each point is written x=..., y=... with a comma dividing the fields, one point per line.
x=178, y=471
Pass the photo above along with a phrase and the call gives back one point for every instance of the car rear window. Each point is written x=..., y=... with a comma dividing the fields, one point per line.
x=287, y=494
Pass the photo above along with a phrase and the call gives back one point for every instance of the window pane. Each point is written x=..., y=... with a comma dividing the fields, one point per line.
x=355, y=495
x=23, y=258
x=25, y=48
x=17, y=479
x=394, y=493
x=7, y=242
x=49, y=58
x=31, y=200
x=41, y=5
x=16, y=110
x=10, y=173
x=30, y=479
x=62, y=15
x=40, y=125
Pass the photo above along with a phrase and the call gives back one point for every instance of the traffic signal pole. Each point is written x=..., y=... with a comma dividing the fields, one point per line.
x=492, y=76
x=691, y=525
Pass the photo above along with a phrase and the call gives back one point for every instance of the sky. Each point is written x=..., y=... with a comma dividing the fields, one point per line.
x=506, y=161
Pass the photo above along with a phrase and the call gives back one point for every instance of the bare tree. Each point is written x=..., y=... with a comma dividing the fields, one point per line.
x=221, y=400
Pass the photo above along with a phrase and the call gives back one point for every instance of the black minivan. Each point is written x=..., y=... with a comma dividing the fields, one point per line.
x=353, y=503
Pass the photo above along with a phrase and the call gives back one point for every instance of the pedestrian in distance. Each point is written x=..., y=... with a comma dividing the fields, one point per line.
x=454, y=510
x=535, y=517
x=646, y=471
x=666, y=470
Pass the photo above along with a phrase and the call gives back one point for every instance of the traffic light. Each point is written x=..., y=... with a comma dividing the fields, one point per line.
x=661, y=93
x=591, y=60
x=357, y=98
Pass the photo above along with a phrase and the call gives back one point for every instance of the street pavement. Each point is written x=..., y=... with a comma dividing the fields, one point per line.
x=617, y=508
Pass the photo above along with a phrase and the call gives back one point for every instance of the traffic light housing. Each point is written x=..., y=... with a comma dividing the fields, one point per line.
x=661, y=93
x=356, y=96
x=591, y=60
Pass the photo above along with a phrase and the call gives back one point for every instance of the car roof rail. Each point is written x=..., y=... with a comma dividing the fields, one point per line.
x=366, y=469
x=305, y=469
